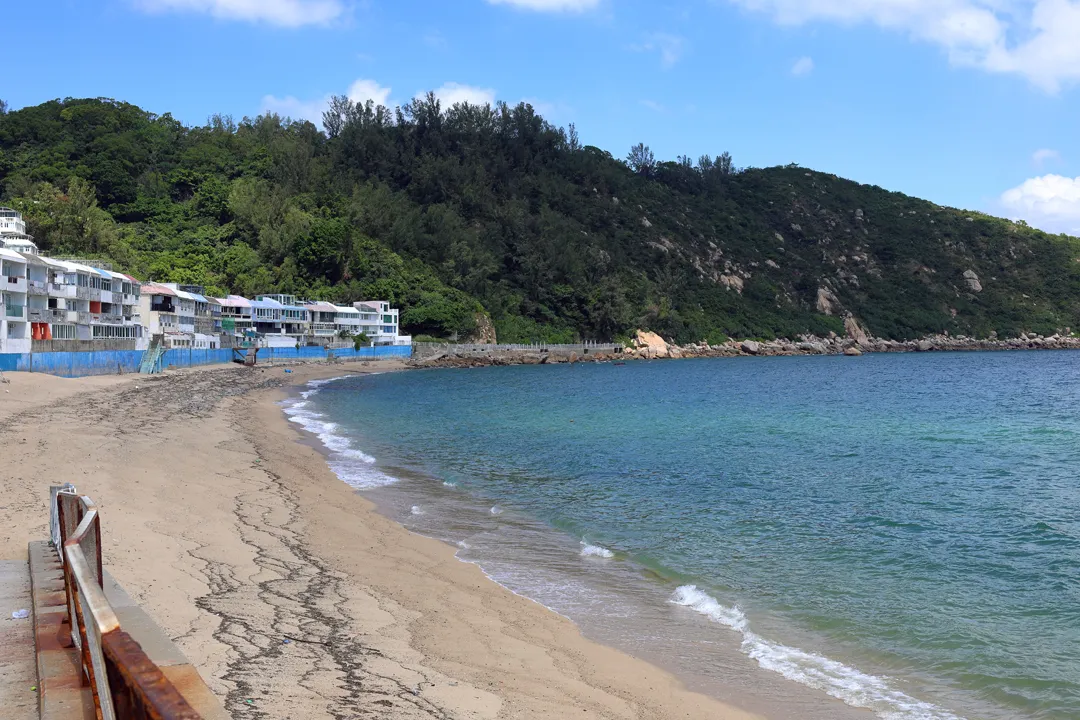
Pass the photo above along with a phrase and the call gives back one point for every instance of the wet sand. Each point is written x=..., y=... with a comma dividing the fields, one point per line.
x=291, y=595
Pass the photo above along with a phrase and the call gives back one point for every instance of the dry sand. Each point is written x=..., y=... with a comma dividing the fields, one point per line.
x=237, y=538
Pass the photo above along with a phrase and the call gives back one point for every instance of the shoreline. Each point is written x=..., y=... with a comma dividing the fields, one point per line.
x=736, y=679
x=584, y=671
x=649, y=346
x=286, y=589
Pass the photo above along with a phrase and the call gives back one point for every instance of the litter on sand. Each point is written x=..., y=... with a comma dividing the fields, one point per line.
x=20, y=614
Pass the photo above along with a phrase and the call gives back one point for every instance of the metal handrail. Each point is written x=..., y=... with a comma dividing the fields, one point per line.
x=124, y=682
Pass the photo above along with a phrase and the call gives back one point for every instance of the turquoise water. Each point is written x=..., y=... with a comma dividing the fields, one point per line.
x=901, y=532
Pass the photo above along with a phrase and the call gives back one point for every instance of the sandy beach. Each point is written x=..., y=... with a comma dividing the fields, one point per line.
x=285, y=588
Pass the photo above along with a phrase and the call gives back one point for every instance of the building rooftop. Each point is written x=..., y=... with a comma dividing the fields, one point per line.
x=235, y=301
x=321, y=307
x=155, y=289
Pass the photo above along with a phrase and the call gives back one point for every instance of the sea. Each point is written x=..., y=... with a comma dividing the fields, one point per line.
x=808, y=537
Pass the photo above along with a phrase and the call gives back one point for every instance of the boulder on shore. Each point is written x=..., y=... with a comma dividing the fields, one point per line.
x=852, y=351
x=652, y=345
x=751, y=347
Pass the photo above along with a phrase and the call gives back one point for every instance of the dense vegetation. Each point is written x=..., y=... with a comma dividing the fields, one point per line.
x=453, y=213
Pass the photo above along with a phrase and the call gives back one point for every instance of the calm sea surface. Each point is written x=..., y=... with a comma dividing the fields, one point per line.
x=898, y=532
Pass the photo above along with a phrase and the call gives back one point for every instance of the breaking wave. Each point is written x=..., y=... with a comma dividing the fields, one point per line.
x=352, y=465
x=845, y=683
x=588, y=550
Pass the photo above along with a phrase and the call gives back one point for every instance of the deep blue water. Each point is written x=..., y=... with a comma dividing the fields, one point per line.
x=899, y=531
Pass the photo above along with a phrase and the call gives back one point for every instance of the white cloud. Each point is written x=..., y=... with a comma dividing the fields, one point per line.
x=550, y=5
x=363, y=90
x=452, y=93
x=1050, y=202
x=1035, y=39
x=1043, y=156
x=803, y=66
x=294, y=108
x=285, y=13
x=654, y=106
x=360, y=91
x=670, y=48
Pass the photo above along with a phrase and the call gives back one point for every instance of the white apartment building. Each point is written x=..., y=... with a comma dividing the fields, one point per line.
x=57, y=301
x=14, y=328
x=347, y=319
x=322, y=322
x=281, y=320
x=13, y=232
x=380, y=323
x=235, y=315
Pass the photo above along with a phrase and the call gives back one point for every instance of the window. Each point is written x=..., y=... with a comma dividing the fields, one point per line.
x=63, y=332
x=107, y=332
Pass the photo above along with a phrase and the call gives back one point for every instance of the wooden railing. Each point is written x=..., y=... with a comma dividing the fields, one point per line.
x=124, y=682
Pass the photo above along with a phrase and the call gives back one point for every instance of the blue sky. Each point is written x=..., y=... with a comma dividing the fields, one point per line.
x=971, y=103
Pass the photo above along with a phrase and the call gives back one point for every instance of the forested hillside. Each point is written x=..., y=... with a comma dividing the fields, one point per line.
x=452, y=213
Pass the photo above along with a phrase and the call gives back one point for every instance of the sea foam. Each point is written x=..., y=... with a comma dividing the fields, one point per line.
x=588, y=550
x=843, y=682
x=353, y=466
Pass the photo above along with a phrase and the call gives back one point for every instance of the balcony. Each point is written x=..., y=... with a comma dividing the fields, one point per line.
x=62, y=290
x=14, y=283
x=15, y=312
x=163, y=308
x=323, y=329
x=83, y=293
x=37, y=287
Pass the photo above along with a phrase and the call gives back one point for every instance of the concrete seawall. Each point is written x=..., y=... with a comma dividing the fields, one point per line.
x=111, y=362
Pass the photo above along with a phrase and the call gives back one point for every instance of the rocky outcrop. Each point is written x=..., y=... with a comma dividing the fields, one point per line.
x=855, y=331
x=484, y=334
x=732, y=282
x=751, y=347
x=852, y=351
x=827, y=303
x=972, y=280
x=650, y=345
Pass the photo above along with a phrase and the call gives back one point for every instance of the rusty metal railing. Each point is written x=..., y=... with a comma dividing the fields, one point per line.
x=124, y=682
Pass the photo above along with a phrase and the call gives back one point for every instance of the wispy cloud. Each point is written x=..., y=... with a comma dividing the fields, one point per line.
x=803, y=66
x=1050, y=202
x=1035, y=39
x=283, y=13
x=551, y=111
x=653, y=105
x=670, y=48
x=1044, y=155
x=550, y=5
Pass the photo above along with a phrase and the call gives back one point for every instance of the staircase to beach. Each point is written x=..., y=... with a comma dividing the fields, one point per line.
x=152, y=356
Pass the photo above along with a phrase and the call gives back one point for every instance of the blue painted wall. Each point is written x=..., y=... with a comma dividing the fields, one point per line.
x=107, y=362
